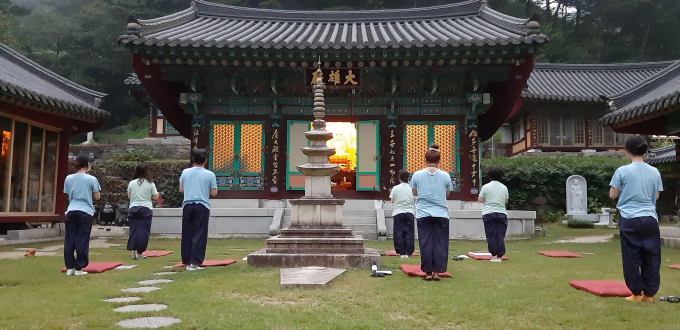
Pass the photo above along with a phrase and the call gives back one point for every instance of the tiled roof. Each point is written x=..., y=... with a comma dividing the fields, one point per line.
x=25, y=79
x=132, y=79
x=468, y=23
x=660, y=156
x=586, y=82
x=651, y=95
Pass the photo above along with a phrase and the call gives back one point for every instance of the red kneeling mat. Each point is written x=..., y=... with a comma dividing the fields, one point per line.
x=212, y=263
x=560, y=254
x=156, y=253
x=98, y=267
x=674, y=266
x=395, y=254
x=414, y=270
x=484, y=257
x=603, y=288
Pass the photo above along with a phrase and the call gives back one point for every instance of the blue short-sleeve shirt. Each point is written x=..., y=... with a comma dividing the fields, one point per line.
x=197, y=182
x=79, y=187
x=639, y=183
x=431, y=188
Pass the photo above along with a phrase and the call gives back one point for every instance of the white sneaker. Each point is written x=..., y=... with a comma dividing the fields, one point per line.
x=406, y=256
x=401, y=256
x=193, y=267
x=70, y=272
x=79, y=273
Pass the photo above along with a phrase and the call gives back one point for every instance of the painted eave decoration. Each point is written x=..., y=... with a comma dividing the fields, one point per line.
x=204, y=24
x=653, y=97
x=560, y=82
x=27, y=84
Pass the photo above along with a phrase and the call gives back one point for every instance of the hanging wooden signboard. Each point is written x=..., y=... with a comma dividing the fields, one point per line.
x=335, y=78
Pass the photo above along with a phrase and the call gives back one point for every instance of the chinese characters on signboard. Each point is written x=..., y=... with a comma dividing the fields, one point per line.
x=473, y=157
x=195, y=133
x=342, y=78
x=392, y=153
x=275, y=155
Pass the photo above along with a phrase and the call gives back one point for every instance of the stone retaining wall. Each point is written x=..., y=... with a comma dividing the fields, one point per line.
x=159, y=148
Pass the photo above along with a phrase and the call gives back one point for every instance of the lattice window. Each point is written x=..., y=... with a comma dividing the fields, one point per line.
x=579, y=130
x=223, y=148
x=542, y=130
x=597, y=132
x=416, y=146
x=251, y=148
x=445, y=136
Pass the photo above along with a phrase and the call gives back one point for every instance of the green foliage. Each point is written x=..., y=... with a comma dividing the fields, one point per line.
x=531, y=177
x=553, y=216
x=114, y=177
x=135, y=156
x=580, y=224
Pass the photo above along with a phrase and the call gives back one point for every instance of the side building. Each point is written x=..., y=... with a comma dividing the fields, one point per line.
x=238, y=82
x=562, y=105
x=39, y=110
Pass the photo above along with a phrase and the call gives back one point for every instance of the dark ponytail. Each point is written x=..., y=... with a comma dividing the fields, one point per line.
x=636, y=145
x=432, y=156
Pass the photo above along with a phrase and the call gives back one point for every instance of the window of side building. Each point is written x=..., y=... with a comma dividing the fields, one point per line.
x=28, y=167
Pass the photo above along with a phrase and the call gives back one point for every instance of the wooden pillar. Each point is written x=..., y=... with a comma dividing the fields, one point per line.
x=62, y=171
x=474, y=172
x=392, y=155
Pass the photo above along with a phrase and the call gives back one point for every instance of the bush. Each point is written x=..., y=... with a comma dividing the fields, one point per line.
x=530, y=177
x=552, y=217
x=581, y=224
x=135, y=156
x=114, y=177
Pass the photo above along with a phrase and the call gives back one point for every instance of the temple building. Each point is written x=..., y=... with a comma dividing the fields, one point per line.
x=563, y=103
x=159, y=127
x=39, y=110
x=238, y=81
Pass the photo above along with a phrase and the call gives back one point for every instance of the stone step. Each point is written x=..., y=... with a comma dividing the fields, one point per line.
x=359, y=221
x=347, y=213
x=356, y=229
x=372, y=236
x=359, y=204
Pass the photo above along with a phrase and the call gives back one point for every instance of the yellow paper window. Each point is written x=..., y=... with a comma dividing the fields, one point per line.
x=445, y=136
x=251, y=148
x=416, y=147
x=223, y=148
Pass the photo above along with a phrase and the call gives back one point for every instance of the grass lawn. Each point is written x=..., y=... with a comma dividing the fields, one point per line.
x=529, y=291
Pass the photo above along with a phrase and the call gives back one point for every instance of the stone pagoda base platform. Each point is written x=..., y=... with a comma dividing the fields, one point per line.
x=263, y=259
x=324, y=246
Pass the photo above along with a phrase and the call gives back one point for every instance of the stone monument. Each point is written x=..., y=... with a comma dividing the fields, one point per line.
x=316, y=236
x=577, y=195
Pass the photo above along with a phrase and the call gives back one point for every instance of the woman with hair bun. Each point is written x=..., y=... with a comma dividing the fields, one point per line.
x=637, y=187
x=432, y=186
x=141, y=192
x=80, y=188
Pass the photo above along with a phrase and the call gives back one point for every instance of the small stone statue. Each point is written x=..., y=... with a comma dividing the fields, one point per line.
x=577, y=195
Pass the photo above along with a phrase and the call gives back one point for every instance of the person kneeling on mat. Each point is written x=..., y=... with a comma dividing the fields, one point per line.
x=494, y=196
x=432, y=186
x=196, y=183
x=403, y=199
x=80, y=188
x=141, y=191
x=637, y=187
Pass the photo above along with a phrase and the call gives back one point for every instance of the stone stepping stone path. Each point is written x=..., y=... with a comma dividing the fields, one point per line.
x=141, y=308
x=142, y=289
x=154, y=282
x=165, y=273
x=123, y=299
x=148, y=322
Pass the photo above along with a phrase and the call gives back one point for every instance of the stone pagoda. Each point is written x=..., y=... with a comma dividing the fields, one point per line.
x=316, y=236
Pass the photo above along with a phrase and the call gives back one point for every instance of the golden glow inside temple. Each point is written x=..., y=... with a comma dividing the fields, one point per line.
x=345, y=144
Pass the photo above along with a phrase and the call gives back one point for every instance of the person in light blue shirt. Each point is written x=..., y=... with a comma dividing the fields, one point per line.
x=494, y=195
x=403, y=228
x=81, y=188
x=637, y=186
x=432, y=186
x=197, y=184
